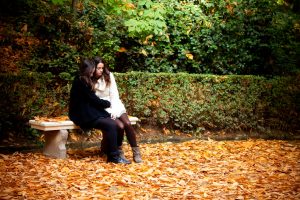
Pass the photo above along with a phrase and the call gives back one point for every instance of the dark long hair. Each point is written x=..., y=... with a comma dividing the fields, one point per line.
x=106, y=72
x=87, y=68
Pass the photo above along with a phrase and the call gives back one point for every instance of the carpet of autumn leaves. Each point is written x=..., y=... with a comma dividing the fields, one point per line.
x=196, y=169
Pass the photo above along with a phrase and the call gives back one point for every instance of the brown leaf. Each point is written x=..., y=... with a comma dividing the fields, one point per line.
x=252, y=169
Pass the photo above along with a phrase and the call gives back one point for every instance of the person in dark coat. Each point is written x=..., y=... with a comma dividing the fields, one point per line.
x=88, y=111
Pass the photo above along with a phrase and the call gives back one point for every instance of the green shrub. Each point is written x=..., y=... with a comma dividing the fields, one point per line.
x=26, y=95
x=259, y=37
x=179, y=101
x=219, y=37
x=197, y=102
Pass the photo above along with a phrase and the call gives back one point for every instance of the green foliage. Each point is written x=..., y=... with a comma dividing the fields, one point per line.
x=214, y=37
x=220, y=37
x=147, y=18
x=27, y=95
x=65, y=38
x=58, y=1
x=106, y=30
x=199, y=102
x=191, y=103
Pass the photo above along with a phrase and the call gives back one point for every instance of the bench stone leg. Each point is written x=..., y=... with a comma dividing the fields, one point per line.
x=55, y=143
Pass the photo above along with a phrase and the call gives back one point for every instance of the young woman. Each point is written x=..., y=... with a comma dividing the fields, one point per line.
x=106, y=88
x=88, y=111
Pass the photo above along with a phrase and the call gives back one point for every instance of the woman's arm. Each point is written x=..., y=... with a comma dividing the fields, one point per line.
x=113, y=89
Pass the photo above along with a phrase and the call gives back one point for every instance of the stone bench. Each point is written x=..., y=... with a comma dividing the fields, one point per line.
x=56, y=135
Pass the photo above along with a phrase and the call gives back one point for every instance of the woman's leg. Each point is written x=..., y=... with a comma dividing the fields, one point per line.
x=109, y=131
x=103, y=148
x=131, y=137
x=120, y=128
x=120, y=138
x=108, y=127
x=129, y=130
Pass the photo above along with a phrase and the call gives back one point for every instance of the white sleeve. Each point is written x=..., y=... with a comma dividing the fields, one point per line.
x=113, y=90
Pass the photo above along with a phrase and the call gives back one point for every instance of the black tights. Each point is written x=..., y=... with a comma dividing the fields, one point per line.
x=124, y=123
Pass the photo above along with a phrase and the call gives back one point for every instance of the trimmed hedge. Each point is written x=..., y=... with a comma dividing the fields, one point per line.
x=198, y=102
x=189, y=102
x=26, y=95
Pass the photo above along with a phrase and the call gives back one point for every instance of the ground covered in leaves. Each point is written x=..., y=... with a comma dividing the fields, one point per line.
x=196, y=169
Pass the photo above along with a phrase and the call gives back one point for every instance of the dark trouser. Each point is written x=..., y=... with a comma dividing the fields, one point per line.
x=108, y=127
x=123, y=123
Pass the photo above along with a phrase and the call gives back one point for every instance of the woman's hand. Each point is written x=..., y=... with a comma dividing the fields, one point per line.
x=113, y=116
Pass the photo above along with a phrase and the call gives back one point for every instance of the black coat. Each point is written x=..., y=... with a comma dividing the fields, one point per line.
x=85, y=106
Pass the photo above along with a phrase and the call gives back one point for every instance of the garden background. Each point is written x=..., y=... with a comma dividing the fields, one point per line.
x=195, y=67
x=194, y=71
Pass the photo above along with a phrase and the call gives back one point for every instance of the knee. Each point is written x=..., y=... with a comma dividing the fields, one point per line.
x=120, y=126
x=127, y=123
x=112, y=126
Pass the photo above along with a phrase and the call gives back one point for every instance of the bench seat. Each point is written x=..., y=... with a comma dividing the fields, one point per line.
x=62, y=125
x=56, y=135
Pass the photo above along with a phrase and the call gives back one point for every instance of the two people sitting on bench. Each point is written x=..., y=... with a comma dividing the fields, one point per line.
x=88, y=111
x=106, y=88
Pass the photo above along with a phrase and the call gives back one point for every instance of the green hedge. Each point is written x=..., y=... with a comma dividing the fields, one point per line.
x=189, y=102
x=198, y=102
x=26, y=95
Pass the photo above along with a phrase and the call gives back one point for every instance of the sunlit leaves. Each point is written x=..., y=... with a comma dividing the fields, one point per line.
x=189, y=56
x=147, y=18
x=253, y=169
x=58, y=1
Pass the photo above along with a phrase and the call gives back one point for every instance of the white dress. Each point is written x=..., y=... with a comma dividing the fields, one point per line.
x=110, y=92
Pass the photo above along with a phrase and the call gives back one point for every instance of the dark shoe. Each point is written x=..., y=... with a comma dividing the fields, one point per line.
x=118, y=160
x=122, y=155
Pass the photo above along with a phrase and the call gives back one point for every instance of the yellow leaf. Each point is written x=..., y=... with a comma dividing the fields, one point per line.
x=122, y=49
x=147, y=38
x=24, y=28
x=189, y=56
x=144, y=52
x=166, y=131
x=129, y=5
x=188, y=31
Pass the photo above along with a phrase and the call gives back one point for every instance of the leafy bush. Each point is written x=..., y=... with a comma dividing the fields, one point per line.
x=219, y=37
x=197, y=102
x=191, y=103
x=215, y=37
x=26, y=95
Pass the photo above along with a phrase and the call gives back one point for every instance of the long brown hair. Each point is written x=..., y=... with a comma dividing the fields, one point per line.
x=106, y=72
x=87, y=68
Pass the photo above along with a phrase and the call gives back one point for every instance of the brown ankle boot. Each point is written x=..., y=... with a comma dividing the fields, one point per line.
x=136, y=154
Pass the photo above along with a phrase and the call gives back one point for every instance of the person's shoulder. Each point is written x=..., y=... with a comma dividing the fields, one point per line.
x=76, y=79
x=111, y=74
